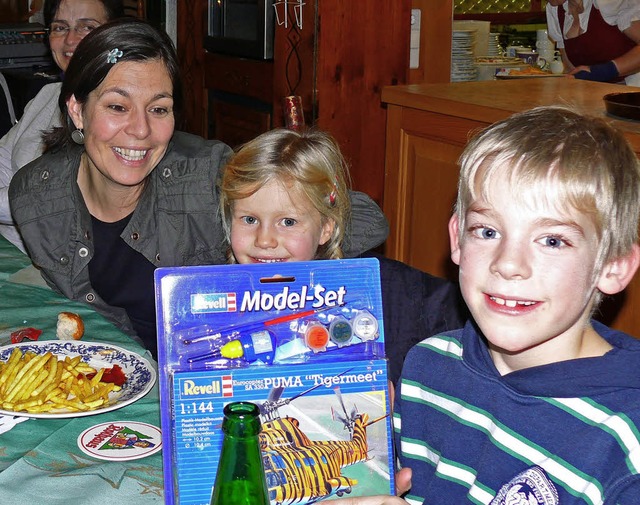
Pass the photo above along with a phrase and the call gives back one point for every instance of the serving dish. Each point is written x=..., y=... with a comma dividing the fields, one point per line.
x=141, y=376
x=624, y=105
x=516, y=73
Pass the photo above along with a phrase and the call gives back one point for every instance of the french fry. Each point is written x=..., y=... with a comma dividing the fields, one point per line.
x=64, y=402
x=11, y=369
x=102, y=392
x=45, y=407
x=94, y=404
x=53, y=393
x=37, y=377
x=98, y=377
x=25, y=405
x=53, y=371
x=38, y=383
x=26, y=374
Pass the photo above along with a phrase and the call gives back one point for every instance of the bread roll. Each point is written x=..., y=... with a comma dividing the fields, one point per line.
x=70, y=326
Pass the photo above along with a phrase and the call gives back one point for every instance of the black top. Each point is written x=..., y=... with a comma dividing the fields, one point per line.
x=124, y=278
x=415, y=306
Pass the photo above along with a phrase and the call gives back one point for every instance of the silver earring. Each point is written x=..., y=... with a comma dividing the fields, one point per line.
x=78, y=136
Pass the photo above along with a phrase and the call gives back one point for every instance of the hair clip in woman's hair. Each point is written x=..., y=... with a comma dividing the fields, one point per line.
x=113, y=55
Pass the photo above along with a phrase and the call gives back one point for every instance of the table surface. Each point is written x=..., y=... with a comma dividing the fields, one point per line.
x=40, y=461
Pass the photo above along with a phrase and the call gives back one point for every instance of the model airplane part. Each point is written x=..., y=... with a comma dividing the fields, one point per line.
x=249, y=347
x=251, y=342
x=243, y=344
x=205, y=333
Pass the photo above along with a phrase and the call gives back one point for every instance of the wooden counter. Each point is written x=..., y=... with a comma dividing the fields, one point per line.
x=427, y=128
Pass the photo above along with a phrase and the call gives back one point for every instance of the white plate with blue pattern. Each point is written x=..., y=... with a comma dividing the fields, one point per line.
x=141, y=376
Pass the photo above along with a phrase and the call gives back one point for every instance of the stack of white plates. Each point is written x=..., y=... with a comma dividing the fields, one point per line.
x=494, y=48
x=462, y=58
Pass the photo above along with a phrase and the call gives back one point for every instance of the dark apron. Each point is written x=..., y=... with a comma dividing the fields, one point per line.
x=600, y=42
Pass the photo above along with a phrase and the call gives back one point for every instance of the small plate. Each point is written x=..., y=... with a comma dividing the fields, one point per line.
x=141, y=376
x=510, y=73
x=499, y=60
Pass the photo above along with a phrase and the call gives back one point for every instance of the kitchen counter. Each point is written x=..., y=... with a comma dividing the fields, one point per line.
x=428, y=126
x=490, y=101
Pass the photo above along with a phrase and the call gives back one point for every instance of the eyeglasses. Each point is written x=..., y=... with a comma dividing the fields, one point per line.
x=58, y=29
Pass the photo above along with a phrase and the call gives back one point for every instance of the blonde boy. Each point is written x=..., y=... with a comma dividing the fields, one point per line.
x=533, y=402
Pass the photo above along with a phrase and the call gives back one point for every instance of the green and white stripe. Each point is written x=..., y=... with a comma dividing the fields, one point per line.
x=617, y=425
x=449, y=470
x=412, y=500
x=397, y=422
x=444, y=345
x=572, y=479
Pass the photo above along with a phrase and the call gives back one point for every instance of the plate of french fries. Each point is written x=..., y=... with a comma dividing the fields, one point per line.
x=57, y=379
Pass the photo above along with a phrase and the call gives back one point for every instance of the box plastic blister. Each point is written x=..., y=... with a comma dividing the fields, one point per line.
x=305, y=341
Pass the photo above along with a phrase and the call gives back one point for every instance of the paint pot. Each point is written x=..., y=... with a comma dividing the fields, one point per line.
x=316, y=337
x=340, y=331
x=365, y=326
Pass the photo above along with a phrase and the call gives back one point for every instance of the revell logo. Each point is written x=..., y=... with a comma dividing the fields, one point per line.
x=213, y=302
x=190, y=387
x=206, y=386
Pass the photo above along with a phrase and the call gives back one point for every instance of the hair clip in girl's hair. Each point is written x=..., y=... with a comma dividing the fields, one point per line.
x=333, y=195
x=113, y=55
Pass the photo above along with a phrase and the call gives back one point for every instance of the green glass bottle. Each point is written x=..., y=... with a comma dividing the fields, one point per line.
x=240, y=479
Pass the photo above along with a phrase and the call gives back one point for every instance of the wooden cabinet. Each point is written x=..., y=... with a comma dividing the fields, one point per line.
x=336, y=55
x=420, y=189
x=239, y=94
x=427, y=128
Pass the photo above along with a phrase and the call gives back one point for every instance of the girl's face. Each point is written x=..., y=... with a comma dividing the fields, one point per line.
x=73, y=20
x=277, y=223
x=128, y=122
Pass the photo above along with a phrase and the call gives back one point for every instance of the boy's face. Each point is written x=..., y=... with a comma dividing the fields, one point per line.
x=527, y=273
x=277, y=223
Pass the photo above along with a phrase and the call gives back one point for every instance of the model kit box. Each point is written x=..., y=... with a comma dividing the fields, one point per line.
x=305, y=342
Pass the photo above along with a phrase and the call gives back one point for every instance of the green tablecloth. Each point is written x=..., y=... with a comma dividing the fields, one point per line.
x=40, y=461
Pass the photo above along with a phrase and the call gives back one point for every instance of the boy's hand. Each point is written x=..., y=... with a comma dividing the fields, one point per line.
x=403, y=481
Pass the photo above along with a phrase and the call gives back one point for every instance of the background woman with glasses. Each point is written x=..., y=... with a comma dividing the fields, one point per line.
x=68, y=21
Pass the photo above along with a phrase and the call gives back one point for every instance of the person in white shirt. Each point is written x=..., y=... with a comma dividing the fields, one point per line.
x=68, y=22
x=599, y=39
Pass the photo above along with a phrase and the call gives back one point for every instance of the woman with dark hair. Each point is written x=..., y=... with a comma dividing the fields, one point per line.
x=68, y=22
x=119, y=193
x=95, y=215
